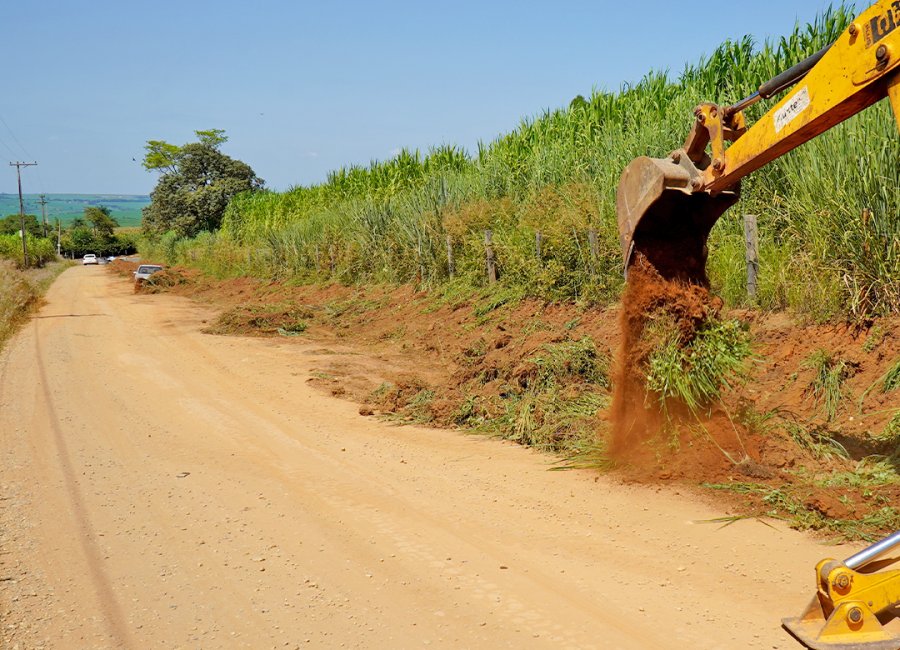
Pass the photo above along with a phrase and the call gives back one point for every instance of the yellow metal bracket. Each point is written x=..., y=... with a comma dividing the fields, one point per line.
x=844, y=615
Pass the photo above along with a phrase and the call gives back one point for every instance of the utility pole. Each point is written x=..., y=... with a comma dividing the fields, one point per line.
x=43, y=203
x=18, y=165
x=58, y=235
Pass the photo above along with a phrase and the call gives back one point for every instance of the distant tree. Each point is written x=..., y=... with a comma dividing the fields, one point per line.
x=81, y=241
x=102, y=222
x=11, y=225
x=196, y=183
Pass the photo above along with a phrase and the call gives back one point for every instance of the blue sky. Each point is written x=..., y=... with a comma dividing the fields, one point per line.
x=302, y=88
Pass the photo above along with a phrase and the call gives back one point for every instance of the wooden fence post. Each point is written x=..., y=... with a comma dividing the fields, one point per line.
x=594, y=249
x=419, y=258
x=451, y=263
x=489, y=257
x=751, y=241
x=538, y=238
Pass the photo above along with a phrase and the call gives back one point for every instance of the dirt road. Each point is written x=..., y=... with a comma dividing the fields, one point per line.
x=163, y=488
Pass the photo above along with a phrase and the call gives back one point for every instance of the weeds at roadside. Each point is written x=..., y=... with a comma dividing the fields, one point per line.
x=285, y=319
x=21, y=291
x=827, y=384
x=408, y=401
x=755, y=421
x=552, y=404
x=418, y=409
x=292, y=329
x=874, y=339
x=891, y=433
x=497, y=298
x=888, y=382
x=695, y=373
x=587, y=452
x=866, y=474
x=812, y=438
x=781, y=503
x=469, y=413
x=571, y=359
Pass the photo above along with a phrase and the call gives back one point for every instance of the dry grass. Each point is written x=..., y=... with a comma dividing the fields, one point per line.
x=20, y=293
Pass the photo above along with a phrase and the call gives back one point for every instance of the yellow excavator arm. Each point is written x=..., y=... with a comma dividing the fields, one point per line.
x=676, y=200
x=666, y=208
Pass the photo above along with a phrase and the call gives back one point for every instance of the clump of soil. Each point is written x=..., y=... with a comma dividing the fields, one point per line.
x=686, y=300
x=262, y=319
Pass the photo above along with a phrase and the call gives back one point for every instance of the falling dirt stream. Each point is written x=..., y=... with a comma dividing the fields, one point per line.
x=166, y=488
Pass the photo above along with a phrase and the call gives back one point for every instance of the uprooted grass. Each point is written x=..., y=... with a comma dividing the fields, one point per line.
x=827, y=384
x=552, y=401
x=888, y=382
x=788, y=504
x=285, y=318
x=695, y=373
x=549, y=401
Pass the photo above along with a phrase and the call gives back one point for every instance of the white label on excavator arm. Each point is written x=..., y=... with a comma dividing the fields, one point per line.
x=792, y=108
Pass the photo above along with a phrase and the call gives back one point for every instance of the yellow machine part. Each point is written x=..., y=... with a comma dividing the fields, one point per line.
x=894, y=94
x=679, y=198
x=844, y=614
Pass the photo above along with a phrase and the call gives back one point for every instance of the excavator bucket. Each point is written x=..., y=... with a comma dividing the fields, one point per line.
x=663, y=219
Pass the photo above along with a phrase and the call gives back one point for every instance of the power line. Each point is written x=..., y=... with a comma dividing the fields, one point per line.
x=15, y=139
x=9, y=149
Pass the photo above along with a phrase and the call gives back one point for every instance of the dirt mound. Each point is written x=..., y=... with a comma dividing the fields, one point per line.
x=262, y=319
x=634, y=413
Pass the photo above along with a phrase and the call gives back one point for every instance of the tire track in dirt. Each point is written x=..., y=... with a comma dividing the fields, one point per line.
x=111, y=609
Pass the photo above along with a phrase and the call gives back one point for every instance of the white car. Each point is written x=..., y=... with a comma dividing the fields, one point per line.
x=90, y=258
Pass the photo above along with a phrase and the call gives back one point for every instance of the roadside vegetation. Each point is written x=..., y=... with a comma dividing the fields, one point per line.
x=829, y=213
x=97, y=231
x=21, y=291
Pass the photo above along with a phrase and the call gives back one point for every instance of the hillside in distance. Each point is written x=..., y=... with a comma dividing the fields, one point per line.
x=125, y=208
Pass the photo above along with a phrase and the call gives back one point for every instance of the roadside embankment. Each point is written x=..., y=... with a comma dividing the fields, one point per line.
x=21, y=291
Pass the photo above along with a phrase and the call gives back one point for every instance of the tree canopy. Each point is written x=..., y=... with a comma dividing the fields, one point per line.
x=11, y=224
x=196, y=183
x=94, y=232
x=103, y=224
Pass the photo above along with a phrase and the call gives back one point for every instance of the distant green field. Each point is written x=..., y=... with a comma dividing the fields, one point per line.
x=126, y=208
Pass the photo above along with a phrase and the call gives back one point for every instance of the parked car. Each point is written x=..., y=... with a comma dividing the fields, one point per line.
x=144, y=271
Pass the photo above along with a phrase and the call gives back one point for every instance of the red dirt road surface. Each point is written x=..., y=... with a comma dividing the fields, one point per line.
x=164, y=488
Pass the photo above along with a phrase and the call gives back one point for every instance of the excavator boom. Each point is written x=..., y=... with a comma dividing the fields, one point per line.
x=667, y=206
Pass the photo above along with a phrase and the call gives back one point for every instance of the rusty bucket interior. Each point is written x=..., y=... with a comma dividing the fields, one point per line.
x=662, y=219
